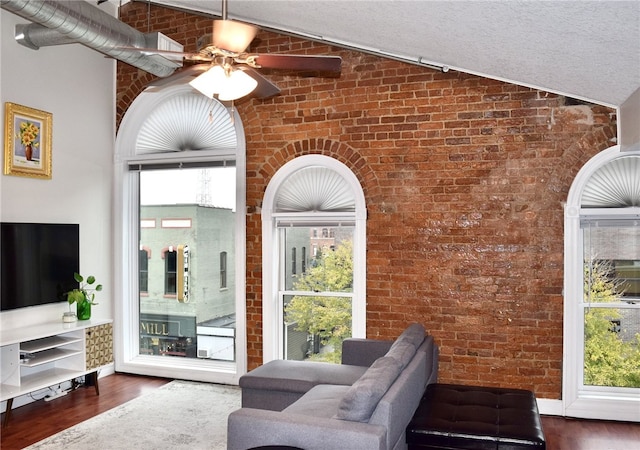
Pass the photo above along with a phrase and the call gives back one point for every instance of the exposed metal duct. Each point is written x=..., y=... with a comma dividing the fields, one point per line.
x=61, y=22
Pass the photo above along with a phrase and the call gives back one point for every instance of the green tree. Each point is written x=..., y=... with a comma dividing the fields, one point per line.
x=608, y=359
x=328, y=318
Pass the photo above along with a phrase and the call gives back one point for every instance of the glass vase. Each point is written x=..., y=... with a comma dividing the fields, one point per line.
x=83, y=311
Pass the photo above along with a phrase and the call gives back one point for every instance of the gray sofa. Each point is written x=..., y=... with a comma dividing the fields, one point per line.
x=364, y=403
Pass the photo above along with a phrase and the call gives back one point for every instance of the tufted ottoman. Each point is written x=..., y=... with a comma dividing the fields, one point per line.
x=471, y=417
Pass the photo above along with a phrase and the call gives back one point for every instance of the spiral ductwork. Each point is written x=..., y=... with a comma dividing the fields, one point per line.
x=61, y=22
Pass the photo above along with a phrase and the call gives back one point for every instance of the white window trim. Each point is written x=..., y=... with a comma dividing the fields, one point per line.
x=270, y=251
x=579, y=400
x=126, y=226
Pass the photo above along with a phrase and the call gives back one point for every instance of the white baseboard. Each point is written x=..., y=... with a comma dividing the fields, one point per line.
x=550, y=407
x=106, y=370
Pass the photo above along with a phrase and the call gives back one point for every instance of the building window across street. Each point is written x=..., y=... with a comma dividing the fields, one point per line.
x=170, y=273
x=143, y=264
x=223, y=270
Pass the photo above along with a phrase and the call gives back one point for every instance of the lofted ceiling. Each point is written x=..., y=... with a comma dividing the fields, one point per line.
x=589, y=50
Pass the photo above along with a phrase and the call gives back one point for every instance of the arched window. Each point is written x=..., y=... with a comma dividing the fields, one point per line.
x=311, y=193
x=180, y=169
x=601, y=376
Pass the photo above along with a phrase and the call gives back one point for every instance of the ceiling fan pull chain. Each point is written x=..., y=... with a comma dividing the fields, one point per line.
x=232, y=118
x=211, y=111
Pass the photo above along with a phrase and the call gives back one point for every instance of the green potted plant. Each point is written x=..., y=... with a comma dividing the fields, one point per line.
x=83, y=296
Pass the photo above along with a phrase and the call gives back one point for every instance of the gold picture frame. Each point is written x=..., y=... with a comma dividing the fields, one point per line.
x=27, y=141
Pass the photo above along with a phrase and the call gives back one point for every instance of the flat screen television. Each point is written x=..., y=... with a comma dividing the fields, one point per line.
x=37, y=263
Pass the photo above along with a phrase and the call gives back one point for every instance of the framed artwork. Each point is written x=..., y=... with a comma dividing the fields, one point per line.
x=27, y=138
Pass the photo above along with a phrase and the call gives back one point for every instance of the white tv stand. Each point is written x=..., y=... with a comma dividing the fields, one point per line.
x=57, y=352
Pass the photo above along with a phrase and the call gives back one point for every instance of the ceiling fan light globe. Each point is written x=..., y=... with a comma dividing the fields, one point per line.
x=209, y=82
x=227, y=86
x=237, y=85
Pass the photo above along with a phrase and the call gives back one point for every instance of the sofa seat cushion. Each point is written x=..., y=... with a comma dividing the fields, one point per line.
x=320, y=401
x=363, y=396
x=299, y=376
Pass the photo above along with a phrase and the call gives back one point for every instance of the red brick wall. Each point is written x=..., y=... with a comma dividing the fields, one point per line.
x=464, y=179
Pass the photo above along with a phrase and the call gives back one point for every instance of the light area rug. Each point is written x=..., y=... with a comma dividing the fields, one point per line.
x=179, y=415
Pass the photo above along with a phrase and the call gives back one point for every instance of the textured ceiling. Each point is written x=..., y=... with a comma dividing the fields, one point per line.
x=584, y=49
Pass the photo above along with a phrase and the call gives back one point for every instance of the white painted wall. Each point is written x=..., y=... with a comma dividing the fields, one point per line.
x=629, y=123
x=77, y=85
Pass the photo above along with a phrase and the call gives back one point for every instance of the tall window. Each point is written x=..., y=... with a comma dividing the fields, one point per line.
x=308, y=314
x=195, y=299
x=181, y=174
x=317, y=305
x=601, y=376
x=611, y=320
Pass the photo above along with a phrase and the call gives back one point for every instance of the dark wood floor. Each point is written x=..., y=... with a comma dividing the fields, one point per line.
x=36, y=421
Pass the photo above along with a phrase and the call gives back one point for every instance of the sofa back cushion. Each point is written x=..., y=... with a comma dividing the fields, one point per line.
x=413, y=334
x=363, y=396
x=405, y=346
x=403, y=351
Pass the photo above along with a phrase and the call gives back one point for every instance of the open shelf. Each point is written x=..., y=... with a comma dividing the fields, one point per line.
x=49, y=355
x=42, y=380
x=42, y=344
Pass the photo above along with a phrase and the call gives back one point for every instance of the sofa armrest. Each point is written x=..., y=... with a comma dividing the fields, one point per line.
x=363, y=352
x=248, y=428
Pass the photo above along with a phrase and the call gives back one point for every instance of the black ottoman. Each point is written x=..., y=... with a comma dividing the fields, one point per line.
x=452, y=416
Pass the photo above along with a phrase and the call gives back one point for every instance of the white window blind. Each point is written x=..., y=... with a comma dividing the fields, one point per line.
x=186, y=123
x=614, y=185
x=315, y=189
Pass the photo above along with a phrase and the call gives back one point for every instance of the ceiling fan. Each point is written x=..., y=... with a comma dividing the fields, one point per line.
x=228, y=72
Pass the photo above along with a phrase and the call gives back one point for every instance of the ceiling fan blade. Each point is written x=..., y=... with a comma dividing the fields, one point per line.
x=180, y=75
x=299, y=62
x=233, y=36
x=169, y=53
x=265, y=88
